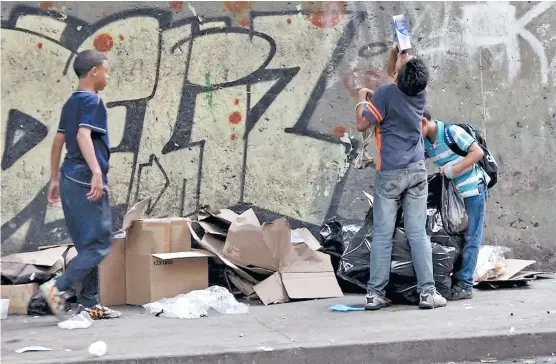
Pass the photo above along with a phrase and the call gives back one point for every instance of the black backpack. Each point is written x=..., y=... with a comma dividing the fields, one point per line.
x=488, y=163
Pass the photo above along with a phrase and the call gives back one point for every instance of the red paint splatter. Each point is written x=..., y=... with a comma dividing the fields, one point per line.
x=235, y=117
x=339, y=131
x=233, y=137
x=103, y=42
x=244, y=22
x=237, y=7
x=39, y=46
x=121, y=37
x=236, y=101
x=326, y=14
x=46, y=5
x=288, y=20
x=176, y=6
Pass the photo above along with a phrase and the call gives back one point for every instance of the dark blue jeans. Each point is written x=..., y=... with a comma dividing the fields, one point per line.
x=475, y=207
x=89, y=225
x=408, y=185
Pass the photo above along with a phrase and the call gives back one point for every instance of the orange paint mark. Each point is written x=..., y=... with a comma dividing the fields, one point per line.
x=176, y=6
x=339, y=131
x=236, y=101
x=39, y=46
x=237, y=7
x=326, y=14
x=103, y=42
x=288, y=20
x=244, y=22
x=233, y=137
x=46, y=5
x=235, y=117
x=121, y=37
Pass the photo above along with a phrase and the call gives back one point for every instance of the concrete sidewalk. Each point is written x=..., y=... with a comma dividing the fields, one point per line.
x=306, y=332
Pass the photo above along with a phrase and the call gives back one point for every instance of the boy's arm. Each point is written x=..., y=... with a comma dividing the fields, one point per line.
x=53, y=195
x=370, y=112
x=392, y=59
x=468, y=144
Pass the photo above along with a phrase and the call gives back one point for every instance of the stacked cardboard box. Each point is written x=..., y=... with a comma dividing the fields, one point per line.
x=151, y=259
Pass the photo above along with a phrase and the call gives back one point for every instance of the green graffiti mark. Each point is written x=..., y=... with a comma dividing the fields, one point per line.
x=208, y=95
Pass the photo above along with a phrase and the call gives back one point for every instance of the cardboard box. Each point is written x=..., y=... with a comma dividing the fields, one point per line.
x=150, y=277
x=111, y=275
x=19, y=296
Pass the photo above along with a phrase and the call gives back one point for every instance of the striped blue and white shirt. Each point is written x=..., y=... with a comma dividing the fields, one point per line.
x=440, y=153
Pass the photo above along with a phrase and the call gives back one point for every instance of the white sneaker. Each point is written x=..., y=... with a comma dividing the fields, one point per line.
x=431, y=299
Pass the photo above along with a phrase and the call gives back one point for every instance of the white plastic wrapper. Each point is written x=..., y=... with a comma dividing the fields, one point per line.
x=490, y=262
x=196, y=304
x=80, y=321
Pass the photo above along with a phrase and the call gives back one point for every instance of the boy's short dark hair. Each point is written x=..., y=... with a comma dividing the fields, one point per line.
x=86, y=61
x=427, y=114
x=413, y=76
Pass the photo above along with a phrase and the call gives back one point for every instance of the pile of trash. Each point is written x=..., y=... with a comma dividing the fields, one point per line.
x=351, y=250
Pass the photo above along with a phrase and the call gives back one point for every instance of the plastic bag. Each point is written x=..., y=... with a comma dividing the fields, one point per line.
x=355, y=262
x=452, y=210
x=490, y=262
x=196, y=304
x=79, y=321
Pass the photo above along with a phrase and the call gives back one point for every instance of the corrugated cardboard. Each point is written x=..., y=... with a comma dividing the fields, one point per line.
x=513, y=267
x=159, y=236
x=19, y=296
x=245, y=243
x=303, y=272
x=303, y=235
x=111, y=275
x=23, y=268
x=155, y=276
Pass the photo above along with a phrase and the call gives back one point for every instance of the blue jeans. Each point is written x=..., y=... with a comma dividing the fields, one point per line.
x=475, y=207
x=89, y=225
x=408, y=186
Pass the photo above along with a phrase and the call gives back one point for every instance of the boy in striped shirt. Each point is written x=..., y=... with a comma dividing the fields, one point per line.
x=470, y=180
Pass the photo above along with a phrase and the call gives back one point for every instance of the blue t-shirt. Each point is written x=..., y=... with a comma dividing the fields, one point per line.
x=84, y=109
x=397, y=119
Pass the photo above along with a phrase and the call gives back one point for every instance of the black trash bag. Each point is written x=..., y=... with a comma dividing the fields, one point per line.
x=355, y=261
x=37, y=306
x=402, y=287
x=452, y=209
x=332, y=238
x=438, y=235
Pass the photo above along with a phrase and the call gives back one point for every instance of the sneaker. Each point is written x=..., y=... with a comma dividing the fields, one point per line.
x=100, y=312
x=54, y=298
x=458, y=293
x=431, y=299
x=376, y=302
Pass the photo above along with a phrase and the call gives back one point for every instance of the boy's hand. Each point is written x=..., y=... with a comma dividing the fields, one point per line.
x=96, y=191
x=53, y=195
x=363, y=93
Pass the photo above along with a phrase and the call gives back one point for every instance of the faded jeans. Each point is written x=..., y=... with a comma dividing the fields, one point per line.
x=408, y=185
x=475, y=207
x=89, y=225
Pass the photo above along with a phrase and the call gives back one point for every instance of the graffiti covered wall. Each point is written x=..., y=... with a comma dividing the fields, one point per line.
x=245, y=103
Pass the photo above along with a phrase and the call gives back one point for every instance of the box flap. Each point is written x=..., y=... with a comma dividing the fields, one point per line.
x=46, y=257
x=246, y=245
x=271, y=290
x=300, y=258
x=212, y=228
x=304, y=235
x=214, y=245
x=241, y=284
x=68, y=244
x=194, y=253
x=135, y=213
x=311, y=285
x=227, y=215
x=513, y=267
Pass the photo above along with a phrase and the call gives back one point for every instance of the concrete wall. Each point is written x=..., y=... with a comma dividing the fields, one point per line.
x=230, y=103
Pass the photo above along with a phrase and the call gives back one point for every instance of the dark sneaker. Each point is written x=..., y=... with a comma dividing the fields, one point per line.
x=457, y=293
x=431, y=299
x=376, y=302
x=100, y=312
x=55, y=299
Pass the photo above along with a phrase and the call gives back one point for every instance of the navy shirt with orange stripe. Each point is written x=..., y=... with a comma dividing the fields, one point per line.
x=398, y=122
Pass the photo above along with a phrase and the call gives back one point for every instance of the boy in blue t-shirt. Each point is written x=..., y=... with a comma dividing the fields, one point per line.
x=471, y=181
x=81, y=185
